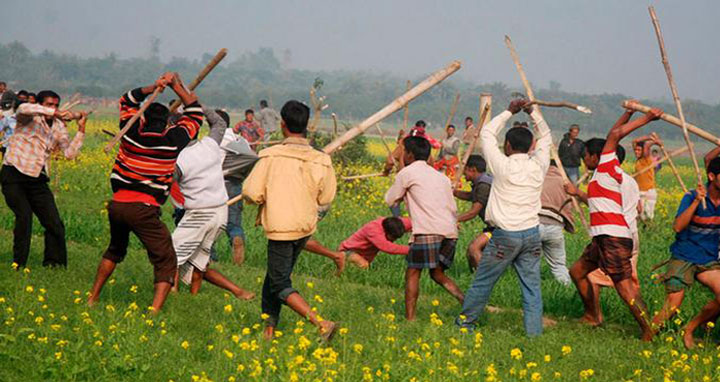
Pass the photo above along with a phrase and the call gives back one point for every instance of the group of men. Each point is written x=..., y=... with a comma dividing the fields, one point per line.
x=516, y=190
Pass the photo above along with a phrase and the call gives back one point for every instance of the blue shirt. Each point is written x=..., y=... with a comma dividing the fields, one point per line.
x=7, y=126
x=699, y=242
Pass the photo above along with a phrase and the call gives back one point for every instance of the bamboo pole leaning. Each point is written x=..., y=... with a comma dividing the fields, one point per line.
x=485, y=107
x=394, y=106
x=553, y=150
x=670, y=154
x=676, y=96
x=671, y=119
x=384, y=142
x=406, y=111
x=670, y=161
x=201, y=76
x=453, y=110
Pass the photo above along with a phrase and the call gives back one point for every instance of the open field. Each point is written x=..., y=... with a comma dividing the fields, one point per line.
x=48, y=333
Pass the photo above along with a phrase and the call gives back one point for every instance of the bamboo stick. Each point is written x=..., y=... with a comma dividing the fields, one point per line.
x=394, y=106
x=132, y=120
x=453, y=110
x=671, y=119
x=364, y=176
x=110, y=133
x=387, y=147
x=673, y=153
x=673, y=168
x=201, y=76
x=553, y=149
x=70, y=105
x=485, y=106
x=583, y=178
x=335, y=125
x=406, y=112
x=569, y=105
x=676, y=97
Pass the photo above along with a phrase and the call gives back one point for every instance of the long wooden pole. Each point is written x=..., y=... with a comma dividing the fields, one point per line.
x=673, y=153
x=453, y=110
x=364, y=176
x=676, y=97
x=394, y=106
x=335, y=125
x=406, y=111
x=201, y=76
x=553, y=150
x=669, y=118
x=673, y=168
x=569, y=105
x=387, y=147
x=132, y=120
x=485, y=106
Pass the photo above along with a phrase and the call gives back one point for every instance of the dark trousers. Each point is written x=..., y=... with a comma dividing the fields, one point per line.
x=143, y=220
x=26, y=195
x=281, y=259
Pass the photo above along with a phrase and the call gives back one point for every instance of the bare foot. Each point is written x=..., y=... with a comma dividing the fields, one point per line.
x=339, y=263
x=493, y=309
x=245, y=295
x=268, y=333
x=328, y=330
x=91, y=301
x=587, y=320
x=548, y=322
x=689, y=340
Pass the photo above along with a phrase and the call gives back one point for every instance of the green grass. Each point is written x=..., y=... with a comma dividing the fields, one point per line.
x=118, y=341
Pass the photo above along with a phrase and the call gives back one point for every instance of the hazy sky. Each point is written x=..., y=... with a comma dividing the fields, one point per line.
x=587, y=46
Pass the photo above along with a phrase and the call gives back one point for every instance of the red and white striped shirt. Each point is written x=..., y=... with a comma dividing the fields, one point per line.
x=605, y=199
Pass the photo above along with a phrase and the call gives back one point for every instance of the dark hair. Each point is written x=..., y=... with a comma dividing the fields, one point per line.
x=249, y=111
x=42, y=95
x=419, y=147
x=3, y=83
x=595, y=146
x=420, y=123
x=468, y=119
x=224, y=115
x=263, y=103
x=295, y=114
x=640, y=145
x=157, y=115
x=620, y=152
x=520, y=139
x=714, y=166
x=31, y=94
x=477, y=162
x=574, y=126
x=449, y=126
x=394, y=227
x=22, y=93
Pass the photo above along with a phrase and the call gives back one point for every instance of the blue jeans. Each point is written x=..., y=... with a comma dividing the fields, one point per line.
x=521, y=249
x=553, y=247
x=573, y=173
x=234, y=224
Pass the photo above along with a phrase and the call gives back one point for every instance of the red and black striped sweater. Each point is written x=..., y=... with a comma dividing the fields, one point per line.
x=143, y=169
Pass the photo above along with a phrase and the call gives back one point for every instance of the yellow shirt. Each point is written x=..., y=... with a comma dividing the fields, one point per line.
x=646, y=180
x=290, y=182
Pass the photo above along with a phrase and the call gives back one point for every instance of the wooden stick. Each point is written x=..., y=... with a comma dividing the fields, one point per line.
x=453, y=110
x=110, y=133
x=70, y=105
x=387, y=147
x=132, y=120
x=267, y=143
x=673, y=153
x=485, y=105
x=406, y=112
x=553, y=149
x=673, y=168
x=335, y=125
x=393, y=106
x=201, y=76
x=569, y=105
x=671, y=119
x=365, y=176
x=583, y=178
x=676, y=97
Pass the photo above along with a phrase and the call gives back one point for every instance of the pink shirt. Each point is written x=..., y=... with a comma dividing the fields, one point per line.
x=428, y=197
x=370, y=239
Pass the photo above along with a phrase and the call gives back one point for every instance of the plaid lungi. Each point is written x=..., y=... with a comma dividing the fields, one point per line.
x=431, y=251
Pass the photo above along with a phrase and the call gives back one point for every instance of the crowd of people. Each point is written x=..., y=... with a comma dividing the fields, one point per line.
x=516, y=190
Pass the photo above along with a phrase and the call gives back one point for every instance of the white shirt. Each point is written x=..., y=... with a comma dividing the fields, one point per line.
x=514, y=201
x=428, y=197
x=631, y=197
x=202, y=182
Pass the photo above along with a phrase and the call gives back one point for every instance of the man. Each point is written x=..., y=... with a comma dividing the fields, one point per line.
x=695, y=253
x=611, y=246
x=555, y=215
x=31, y=98
x=475, y=172
x=570, y=151
x=513, y=208
x=250, y=129
x=141, y=179
x=199, y=175
x=429, y=199
x=40, y=128
x=289, y=183
x=646, y=181
x=239, y=161
x=269, y=118
x=448, y=157
x=469, y=134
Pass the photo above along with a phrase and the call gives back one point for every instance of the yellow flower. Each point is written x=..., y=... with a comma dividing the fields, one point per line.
x=566, y=350
x=185, y=345
x=516, y=354
x=58, y=355
x=435, y=303
x=29, y=289
x=134, y=289
x=228, y=353
x=318, y=299
x=228, y=308
x=710, y=325
x=358, y=348
x=548, y=358
x=536, y=377
x=310, y=284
